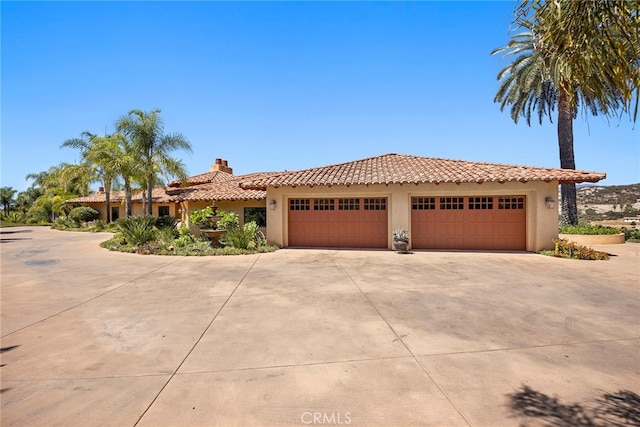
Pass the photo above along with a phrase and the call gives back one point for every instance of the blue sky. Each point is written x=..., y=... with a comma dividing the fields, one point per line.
x=274, y=86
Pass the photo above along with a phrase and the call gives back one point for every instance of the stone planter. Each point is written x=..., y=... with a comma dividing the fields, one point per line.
x=594, y=239
x=401, y=246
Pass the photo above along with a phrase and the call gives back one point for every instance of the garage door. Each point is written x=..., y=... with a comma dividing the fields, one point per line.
x=338, y=222
x=485, y=222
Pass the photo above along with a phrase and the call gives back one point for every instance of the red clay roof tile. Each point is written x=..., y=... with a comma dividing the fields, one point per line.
x=405, y=169
x=226, y=190
x=204, y=178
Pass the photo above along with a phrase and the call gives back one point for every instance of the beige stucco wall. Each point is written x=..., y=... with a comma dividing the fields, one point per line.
x=136, y=208
x=542, y=223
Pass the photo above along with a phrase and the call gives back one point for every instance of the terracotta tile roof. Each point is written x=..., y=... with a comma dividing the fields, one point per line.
x=405, y=169
x=99, y=197
x=204, y=178
x=159, y=196
x=226, y=190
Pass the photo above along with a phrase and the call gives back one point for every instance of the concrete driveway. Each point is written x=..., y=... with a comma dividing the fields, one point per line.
x=314, y=337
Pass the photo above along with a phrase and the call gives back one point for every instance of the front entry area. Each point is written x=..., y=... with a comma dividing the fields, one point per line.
x=473, y=222
x=354, y=222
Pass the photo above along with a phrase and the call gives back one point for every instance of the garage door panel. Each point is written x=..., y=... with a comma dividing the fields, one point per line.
x=485, y=222
x=352, y=222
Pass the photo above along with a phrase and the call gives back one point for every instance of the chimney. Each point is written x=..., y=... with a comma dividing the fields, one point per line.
x=222, y=166
x=101, y=190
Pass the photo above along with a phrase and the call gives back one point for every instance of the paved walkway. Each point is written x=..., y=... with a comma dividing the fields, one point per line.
x=314, y=337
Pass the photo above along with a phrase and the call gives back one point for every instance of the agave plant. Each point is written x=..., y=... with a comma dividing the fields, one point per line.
x=401, y=235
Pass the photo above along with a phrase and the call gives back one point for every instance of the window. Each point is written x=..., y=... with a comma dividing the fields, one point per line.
x=163, y=211
x=348, y=204
x=423, y=203
x=323, y=204
x=115, y=213
x=377, y=204
x=259, y=215
x=451, y=203
x=480, y=203
x=299, y=204
x=511, y=202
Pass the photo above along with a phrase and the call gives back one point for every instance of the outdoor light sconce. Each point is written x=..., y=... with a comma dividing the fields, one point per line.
x=272, y=204
x=549, y=202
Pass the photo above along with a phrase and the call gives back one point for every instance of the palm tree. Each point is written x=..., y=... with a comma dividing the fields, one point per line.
x=76, y=178
x=6, y=198
x=94, y=151
x=120, y=155
x=146, y=131
x=27, y=197
x=55, y=186
x=64, y=178
x=572, y=56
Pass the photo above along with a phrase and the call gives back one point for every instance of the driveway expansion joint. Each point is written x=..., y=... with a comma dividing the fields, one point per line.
x=164, y=386
x=296, y=365
x=415, y=358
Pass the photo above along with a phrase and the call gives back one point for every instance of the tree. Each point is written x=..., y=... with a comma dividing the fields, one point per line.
x=96, y=153
x=121, y=157
x=6, y=198
x=53, y=188
x=27, y=197
x=63, y=179
x=573, y=56
x=146, y=131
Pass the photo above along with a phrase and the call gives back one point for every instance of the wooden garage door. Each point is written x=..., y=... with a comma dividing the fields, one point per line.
x=355, y=222
x=485, y=222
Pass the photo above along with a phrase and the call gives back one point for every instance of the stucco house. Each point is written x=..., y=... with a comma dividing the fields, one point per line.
x=163, y=203
x=179, y=199
x=444, y=204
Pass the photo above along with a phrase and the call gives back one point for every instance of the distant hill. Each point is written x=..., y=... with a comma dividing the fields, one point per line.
x=608, y=195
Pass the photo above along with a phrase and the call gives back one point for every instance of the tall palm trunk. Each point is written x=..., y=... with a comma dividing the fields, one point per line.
x=107, y=194
x=150, y=194
x=569, y=214
x=127, y=198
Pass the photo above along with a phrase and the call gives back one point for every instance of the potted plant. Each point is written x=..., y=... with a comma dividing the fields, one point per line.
x=401, y=240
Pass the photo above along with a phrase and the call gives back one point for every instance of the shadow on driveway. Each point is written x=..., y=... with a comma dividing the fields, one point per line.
x=9, y=232
x=618, y=409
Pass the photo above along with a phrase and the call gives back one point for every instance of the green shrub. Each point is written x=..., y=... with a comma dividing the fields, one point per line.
x=199, y=217
x=137, y=230
x=242, y=238
x=567, y=249
x=613, y=215
x=166, y=235
x=228, y=220
x=64, y=223
x=83, y=214
x=98, y=225
x=167, y=222
x=632, y=235
x=592, y=215
x=236, y=238
x=15, y=217
x=585, y=228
